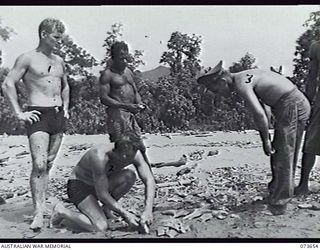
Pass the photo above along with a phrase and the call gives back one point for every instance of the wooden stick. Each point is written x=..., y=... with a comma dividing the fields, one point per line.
x=180, y=162
x=169, y=184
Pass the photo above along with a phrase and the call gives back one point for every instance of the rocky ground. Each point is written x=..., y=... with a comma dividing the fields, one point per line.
x=219, y=193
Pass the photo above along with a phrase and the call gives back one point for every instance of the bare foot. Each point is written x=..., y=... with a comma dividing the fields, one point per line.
x=56, y=217
x=301, y=190
x=37, y=223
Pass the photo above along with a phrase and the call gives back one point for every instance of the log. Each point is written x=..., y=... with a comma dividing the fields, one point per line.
x=180, y=162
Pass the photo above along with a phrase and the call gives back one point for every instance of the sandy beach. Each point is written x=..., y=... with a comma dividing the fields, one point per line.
x=219, y=193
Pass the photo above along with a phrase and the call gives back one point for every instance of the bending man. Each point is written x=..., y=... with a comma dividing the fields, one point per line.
x=291, y=110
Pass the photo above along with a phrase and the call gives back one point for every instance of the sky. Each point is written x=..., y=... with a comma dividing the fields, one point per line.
x=228, y=32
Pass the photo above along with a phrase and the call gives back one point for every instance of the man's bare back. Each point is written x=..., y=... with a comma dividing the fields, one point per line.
x=267, y=85
x=83, y=170
x=43, y=78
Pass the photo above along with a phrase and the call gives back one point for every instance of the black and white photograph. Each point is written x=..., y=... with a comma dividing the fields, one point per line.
x=168, y=122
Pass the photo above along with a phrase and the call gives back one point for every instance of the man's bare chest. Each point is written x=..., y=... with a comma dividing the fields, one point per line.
x=119, y=81
x=39, y=68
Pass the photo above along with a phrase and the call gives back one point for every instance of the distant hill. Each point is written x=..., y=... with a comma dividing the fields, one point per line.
x=154, y=74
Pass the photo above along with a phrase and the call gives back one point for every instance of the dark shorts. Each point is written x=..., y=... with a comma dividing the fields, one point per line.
x=52, y=120
x=78, y=190
x=120, y=122
x=312, y=137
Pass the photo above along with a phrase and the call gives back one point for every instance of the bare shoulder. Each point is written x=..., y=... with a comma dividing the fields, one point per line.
x=105, y=76
x=58, y=59
x=129, y=72
x=26, y=57
x=99, y=151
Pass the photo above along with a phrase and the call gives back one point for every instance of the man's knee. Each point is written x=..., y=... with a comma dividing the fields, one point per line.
x=40, y=165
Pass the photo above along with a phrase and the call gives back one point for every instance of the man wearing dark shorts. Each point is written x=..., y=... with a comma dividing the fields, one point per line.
x=311, y=147
x=291, y=109
x=101, y=176
x=52, y=120
x=44, y=76
x=118, y=91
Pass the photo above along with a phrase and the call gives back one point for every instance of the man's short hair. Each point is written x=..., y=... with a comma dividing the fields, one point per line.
x=51, y=24
x=117, y=46
x=128, y=138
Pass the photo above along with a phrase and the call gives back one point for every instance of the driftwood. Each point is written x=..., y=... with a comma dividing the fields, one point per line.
x=169, y=184
x=174, y=183
x=180, y=162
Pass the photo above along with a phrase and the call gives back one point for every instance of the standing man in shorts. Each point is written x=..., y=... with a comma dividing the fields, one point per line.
x=44, y=76
x=118, y=91
x=101, y=175
x=311, y=147
x=291, y=110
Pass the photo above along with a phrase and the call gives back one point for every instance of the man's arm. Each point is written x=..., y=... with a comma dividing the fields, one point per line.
x=10, y=91
x=311, y=86
x=107, y=100
x=259, y=116
x=65, y=94
x=147, y=178
x=98, y=162
x=134, y=86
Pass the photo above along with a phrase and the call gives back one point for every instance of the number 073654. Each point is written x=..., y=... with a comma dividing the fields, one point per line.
x=309, y=245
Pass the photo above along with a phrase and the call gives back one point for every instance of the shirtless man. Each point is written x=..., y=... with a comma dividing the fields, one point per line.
x=101, y=176
x=311, y=147
x=118, y=91
x=44, y=76
x=291, y=110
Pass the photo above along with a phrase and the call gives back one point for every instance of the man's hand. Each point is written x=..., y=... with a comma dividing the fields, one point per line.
x=267, y=148
x=66, y=114
x=29, y=116
x=131, y=219
x=146, y=218
x=135, y=108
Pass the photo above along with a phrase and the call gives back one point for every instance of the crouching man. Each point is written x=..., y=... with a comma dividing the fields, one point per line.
x=291, y=110
x=101, y=175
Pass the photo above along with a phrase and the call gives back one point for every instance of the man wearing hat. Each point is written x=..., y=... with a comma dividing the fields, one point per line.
x=291, y=110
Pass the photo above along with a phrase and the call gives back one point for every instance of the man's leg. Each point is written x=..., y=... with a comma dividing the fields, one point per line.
x=90, y=218
x=39, y=143
x=310, y=148
x=54, y=146
x=308, y=161
x=285, y=141
x=119, y=184
x=274, y=181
